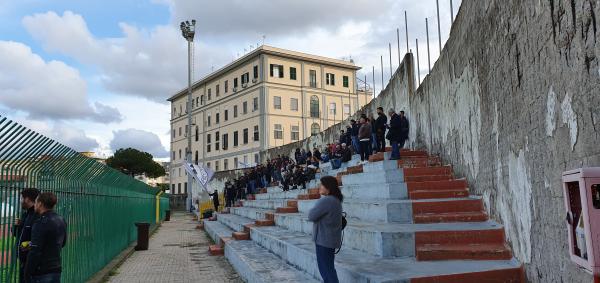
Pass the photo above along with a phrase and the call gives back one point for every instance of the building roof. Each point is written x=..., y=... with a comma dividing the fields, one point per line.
x=265, y=49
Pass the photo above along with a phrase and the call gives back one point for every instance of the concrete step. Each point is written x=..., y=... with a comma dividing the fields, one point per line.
x=255, y=264
x=251, y=212
x=292, y=194
x=373, y=178
x=298, y=250
x=380, y=191
x=219, y=232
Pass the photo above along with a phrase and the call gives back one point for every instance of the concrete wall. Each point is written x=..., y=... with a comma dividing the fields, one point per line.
x=512, y=103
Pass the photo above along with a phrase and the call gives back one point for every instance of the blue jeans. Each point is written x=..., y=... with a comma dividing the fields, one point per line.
x=395, y=150
x=252, y=186
x=46, y=278
x=374, y=144
x=355, y=144
x=336, y=163
x=325, y=261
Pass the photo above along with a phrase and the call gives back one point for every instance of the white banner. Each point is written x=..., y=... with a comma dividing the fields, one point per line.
x=200, y=174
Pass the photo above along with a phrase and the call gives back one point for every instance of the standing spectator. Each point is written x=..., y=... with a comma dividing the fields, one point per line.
x=48, y=237
x=348, y=137
x=354, y=136
x=394, y=134
x=342, y=138
x=22, y=227
x=215, y=198
x=373, y=144
x=298, y=155
x=380, y=129
x=326, y=216
x=404, y=129
x=364, y=136
x=229, y=194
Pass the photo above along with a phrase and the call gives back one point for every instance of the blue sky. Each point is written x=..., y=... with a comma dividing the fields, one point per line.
x=92, y=66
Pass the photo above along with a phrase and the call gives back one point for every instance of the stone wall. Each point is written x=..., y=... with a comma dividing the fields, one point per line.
x=512, y=103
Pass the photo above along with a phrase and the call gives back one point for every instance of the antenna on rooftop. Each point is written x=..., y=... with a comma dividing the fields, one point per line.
x=263, y=39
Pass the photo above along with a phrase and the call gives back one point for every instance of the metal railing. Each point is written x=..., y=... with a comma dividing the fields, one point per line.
x=99, y=204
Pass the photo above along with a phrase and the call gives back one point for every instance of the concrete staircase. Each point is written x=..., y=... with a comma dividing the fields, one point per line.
x=408, y=221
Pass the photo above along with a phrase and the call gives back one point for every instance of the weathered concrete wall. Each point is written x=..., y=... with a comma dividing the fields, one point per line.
x=512, y=103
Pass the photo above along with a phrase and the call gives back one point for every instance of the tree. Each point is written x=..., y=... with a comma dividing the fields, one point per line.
x=134, y=162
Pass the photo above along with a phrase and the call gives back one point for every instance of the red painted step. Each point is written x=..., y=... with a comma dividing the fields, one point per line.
x=419, y=161
x=313, y=191
x=509, y=275
x=308, y=196
x=216, y=250
x=247, y=227
x=241, y=236
x=476, y=216
x=428, y=178
x=447, y=206
x=465, y=252
x=428, y=171
x=292, y=203
x=269, y=216
x=264, y=222
x=437, y=185
x=486, y=236
x=433, y=194
x=286, y=210
x=354, y=169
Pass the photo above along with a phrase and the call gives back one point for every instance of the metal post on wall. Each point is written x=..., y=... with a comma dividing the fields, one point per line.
x=428, y=55
x=451, y=12
x=437, y=4
x=390, y=49
x=418, y=67
x=406, y=27
x=382, y=85
x=398, y=39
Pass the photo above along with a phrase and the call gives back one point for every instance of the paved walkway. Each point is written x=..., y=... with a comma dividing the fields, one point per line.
x=178, y=253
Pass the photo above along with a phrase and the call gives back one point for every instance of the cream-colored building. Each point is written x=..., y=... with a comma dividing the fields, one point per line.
x=267, y=98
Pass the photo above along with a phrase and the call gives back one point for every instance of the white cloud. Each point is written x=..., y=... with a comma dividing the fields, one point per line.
x=138, y=139
x=63, y=133
x=46, y=89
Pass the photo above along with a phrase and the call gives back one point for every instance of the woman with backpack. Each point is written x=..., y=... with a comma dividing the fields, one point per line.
x=326, y=216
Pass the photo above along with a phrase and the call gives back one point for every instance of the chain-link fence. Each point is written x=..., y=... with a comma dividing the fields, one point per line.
x=99, y=204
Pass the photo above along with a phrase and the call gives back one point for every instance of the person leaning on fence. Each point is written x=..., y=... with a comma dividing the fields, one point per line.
x=48, y=237
x=22, y=227
x=326, y=216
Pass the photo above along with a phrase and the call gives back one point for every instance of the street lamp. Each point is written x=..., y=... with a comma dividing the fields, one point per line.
x=187, y=31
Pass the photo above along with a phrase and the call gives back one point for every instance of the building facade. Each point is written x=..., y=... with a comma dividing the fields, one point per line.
x=267, y=98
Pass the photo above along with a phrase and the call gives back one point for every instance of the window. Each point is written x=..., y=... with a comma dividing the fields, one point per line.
x=208, y=164
x=245, y=159
x=197, y=100
x=278, y=134
x=295, y=133
x=185, y=188
x=217, y=118
x=314, y=106
x=294, y=104
x=235, y=111
x=330, y=79
x=245, y=78
x=196, y=158
x=346, y=109
x=235, y=83
x=217, y=165
x=332, y=108
x=179, y=188
x=276, y=71
x=225, y=164
x=217, y=140
x=226, y=86
x=277, y=102
x=174, y=111
x=208, y=120
x=292, y=73
x=172, y=189
x=345, y=81
x=180, y=131
x=174, y=134
x=235, y=162
x=256, y=159
x=245, y=136
x=173, y=155
x=197, y=133
x=315, y=129
x=209, y=93
x=255, y=104
x=180, y=154
x=256, y=72
x=235, y=138
x=207, y=142
x=217, y=92
x=255, y=133
x=225, y=141
x=226, y=114
x=313, y=78
x=245, y=107
x=202, y=100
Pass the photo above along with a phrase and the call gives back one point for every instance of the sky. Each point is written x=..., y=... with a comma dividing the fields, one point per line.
x=95, y=75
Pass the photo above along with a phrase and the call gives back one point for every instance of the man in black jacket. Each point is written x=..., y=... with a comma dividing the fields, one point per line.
x=48, y=237
x=394, y=134
x=404, y=129
x=22, y=227
x=380, y=129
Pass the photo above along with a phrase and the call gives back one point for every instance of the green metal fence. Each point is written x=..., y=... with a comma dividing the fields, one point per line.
x=99, y=204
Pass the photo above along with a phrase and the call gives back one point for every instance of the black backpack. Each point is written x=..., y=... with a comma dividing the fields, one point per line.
x=344, y=223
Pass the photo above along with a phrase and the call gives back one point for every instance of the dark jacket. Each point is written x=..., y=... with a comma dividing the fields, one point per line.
x=365, y=131
x=48, y=237
x=355, y=128
x=215, y=197
x=380, y=123
x=404, y=127
x=23, y=232
x=395, y=130
x=346, y=155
